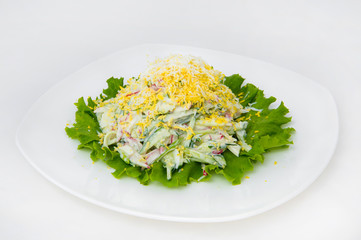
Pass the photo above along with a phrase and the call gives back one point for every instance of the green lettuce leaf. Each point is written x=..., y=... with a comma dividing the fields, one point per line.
x=189, y=172
x=86, y=129
x=265, y=129
x=114, y=85
x=265, y=132
x=234, y=82
x=235, y=168
x=86, y=126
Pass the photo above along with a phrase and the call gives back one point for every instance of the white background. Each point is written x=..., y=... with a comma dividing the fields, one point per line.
x=41, y=42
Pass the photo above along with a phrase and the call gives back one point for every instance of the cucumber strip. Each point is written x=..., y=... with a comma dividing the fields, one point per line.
x=170, y=148
x=220, y=160
x=177, y=115
x=199, y=157
x=183, y=120
x=129, y=155
x=240, y=135
x=176, y=143
x=192, y=122
x=142, y=150
x=234, y=148
x=206, y=147
x=238, y=126
x=213, y=162
x=158, y=139
x=172, y=160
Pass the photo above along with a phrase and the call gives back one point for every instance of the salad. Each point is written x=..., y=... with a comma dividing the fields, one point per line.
x=180, y=121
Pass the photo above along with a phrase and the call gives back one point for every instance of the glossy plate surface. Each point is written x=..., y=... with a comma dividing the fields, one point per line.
x=42, y=140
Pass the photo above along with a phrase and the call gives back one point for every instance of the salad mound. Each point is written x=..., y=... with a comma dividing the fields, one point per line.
x=180, y=121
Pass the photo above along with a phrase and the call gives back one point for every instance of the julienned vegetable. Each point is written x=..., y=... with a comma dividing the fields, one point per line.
x=180, y=121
